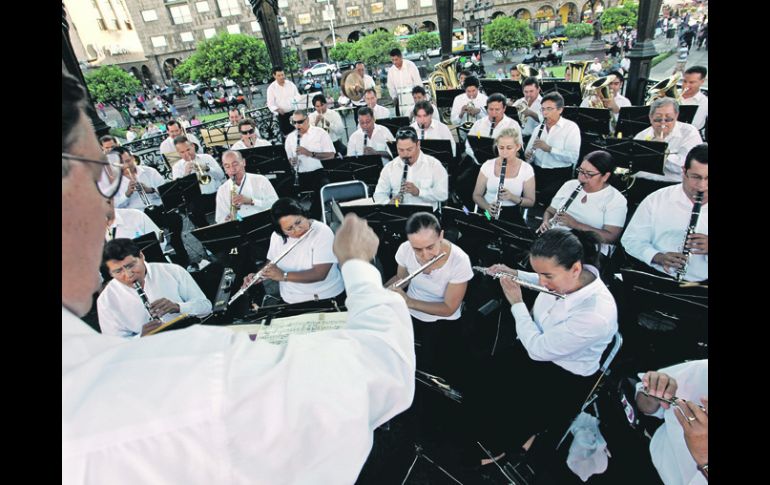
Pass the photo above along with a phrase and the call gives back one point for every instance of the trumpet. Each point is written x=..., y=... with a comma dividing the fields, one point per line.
x=139, y=189
x=322, y=122
x=258, y=276
x=203, y=177
x=469, y=119
x=694, y=216
x=520, y=282
x=400, y=283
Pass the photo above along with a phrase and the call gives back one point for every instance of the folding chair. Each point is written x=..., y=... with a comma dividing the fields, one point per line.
x=340, y=192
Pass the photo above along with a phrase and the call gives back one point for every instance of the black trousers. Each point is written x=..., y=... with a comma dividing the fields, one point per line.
x=312, y=182
x=173, y=222
x=549, y=180
x=438, y=347
x=284, y=122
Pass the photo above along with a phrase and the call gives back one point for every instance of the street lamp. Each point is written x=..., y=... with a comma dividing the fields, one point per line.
x=329, y=13
x=475, y=13
x=286, y=36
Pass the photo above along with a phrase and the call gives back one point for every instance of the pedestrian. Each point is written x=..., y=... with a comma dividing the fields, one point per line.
x=681, y=60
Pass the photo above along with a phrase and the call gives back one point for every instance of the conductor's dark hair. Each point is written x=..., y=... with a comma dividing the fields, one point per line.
x=602, y=160
x=471, y=81
x=285, y=206
x=699, y=153
x=566, y=246
x=422, y=220
x=119, y=249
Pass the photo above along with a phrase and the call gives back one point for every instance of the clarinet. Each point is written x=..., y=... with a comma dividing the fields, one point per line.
x=400, y=196
x=499, y=200
x=690, y=230
x=564, y=206
x=537, y=137
x=296, y=167
x=422, y=132
x=492, y=128
x=366, y=139
x=143, y=296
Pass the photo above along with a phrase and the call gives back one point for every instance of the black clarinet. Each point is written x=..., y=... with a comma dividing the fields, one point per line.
x=499, y=201
x=690, y=231
x=422, y=132
x=492, y=128
x=537, y=137
x=565, y=206
x=143, y=296
x=296, y=167
x=400, y=196
x=366, y=139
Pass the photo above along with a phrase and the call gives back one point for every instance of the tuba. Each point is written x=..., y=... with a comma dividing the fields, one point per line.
x=443, y=77
x=577, y=70
x=665, y=88
x=528, y=71
x=595, y=88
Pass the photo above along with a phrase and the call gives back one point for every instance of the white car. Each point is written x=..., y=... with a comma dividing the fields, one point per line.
x=320, y=69
x=191, y=88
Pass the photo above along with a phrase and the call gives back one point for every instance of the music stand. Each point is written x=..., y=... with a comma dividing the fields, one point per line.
x=386, y=220
x=633, y=119
x=363, y=167
x=149, y=245
x=265, y=314
x=687, y=113
x=394, y=123
x=483, y=148
x=569, y=90
x=446, y=97
x=255, y=229
x=178, y=192
x=266, y=159
x=440, y=149
x=634, y=155
x=590, y=120
x=508, y=87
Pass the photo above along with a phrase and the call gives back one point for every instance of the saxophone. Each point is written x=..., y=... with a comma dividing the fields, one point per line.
x=233, y=193
x=694, y=216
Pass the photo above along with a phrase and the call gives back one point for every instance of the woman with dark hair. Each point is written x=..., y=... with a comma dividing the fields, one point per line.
x=541, y=380
x=599, y=207
x=310, y=270
x=434, y=296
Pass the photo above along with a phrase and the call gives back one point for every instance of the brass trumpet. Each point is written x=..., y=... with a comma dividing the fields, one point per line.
x=203, y=177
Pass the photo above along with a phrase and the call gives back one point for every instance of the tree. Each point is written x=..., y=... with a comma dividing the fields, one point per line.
x=183, y=70
x=423, y=42
x=239, y=57
x=343, y=51
x=374, y=49
x=625, y=14
x=505, y=34
x=578, y=31
x=111, y=84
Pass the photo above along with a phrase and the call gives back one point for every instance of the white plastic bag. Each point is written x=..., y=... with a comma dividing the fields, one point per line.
x=588, y=454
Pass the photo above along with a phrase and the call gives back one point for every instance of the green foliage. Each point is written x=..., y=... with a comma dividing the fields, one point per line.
x=343, y=51
x=109, y=84
x=579, y=50
x=183, y=71
x=578, y=31
x=660, y=57
x=505, y=34
x=423, y=42
x=239, y=57
x=290, y=61
x=625, y=14
x=374, y=49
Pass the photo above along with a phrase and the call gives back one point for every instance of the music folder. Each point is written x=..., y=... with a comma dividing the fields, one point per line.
x=633, y=155
x=439, y=149
x=508, y=87
x=362, y=167
x=254, y=229
x=386, y=220
x=394, y=123
x=220, y=135
x=589, y=120
x=569, y=90
x=149, y=245
x=266, y=159
x=176, y=193
x=446, y=97
x=483, y=148
x=656, y=287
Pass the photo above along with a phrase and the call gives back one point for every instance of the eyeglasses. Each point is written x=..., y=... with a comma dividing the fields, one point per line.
x=250, y=132
x=580, y=171
x=127, y=267
x=294, y=226
x=111, y=176
x=661, y=120
x=696, y=178
x=298, y=122
x=546, y=108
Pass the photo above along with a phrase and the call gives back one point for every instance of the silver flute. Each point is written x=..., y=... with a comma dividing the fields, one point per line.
x=259, y=274
x=525, y=284
x=400, y=283
x=672, y=401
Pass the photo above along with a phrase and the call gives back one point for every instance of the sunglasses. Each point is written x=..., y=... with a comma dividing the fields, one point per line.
x=298, y=122
x=250, y=132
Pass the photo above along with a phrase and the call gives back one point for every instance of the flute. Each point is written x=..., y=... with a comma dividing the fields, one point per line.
x=525, y=284
x=672, y=401
x=407, y=279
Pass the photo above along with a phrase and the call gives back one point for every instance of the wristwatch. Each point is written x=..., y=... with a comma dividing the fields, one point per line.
x=285, y=276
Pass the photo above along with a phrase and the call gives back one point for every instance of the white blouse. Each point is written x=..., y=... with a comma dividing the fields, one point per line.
x=514, y=185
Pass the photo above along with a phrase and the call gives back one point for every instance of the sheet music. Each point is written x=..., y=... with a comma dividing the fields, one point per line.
x=279, y=331
x=356, y=202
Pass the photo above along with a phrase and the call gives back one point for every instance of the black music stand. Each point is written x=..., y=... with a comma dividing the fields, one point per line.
x=508, y=87
x=177, y=193
x=633, y=119
x=590, y=120
x=363, y=167
x=149, y=245
x=687, y=113
x=569, y=90
x=446, y=97
x=255, y=229
x=386, y=220
x=267, y=159
x=441, y=150
x=394, y=123
x=268, y=312
x=634, y=155
x=483, y=148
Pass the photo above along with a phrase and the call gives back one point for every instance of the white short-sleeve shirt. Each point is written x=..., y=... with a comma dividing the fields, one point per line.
x=514, y=185
x=432, y=287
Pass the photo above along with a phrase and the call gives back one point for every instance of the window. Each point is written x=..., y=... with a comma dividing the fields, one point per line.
x=202, y=7
x=234, y=29
x=159, y=41
x=354, y=11
x=402, y=4
x=303, y=18
x=228, y=8
x=209, y=33
x=426, y=3
x=187, y=37
x=180, y=14
x=149, y=15
x=101, y=24
x=255, y=27
x=283, y=3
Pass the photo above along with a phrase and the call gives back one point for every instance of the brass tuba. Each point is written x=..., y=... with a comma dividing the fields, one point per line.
x=665, y=88
x=443, y=77
x=528, y=71
x=577, y=70
x=595, y=88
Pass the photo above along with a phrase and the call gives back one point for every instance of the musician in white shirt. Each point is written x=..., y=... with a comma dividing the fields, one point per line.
x=533, y=115
x=131, y=224
x=174, y=130
x=280, y=100
x=310, y=271
x=657, y=229
x=426, y=181
x=558, y=348
x=428, y=127
x=554, y=147
x=249, y=136
x=403, y=75
x=370, y=96
x=468, y=106
x=419, y=94
x=254, y=193
x=691, y=94
x=329, y=121
x=612, y=103
x=200, y=164
x=370, y=138
x=170, y=291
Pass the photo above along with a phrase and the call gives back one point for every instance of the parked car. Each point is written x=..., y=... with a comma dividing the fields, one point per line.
x=191, y=88
x=320, y=69
x=345, y=65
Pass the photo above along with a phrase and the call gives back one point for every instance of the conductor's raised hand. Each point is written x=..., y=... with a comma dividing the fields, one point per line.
x=355, y=240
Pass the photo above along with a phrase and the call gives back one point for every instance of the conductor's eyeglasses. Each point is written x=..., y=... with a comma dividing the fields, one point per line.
x=111, y=174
